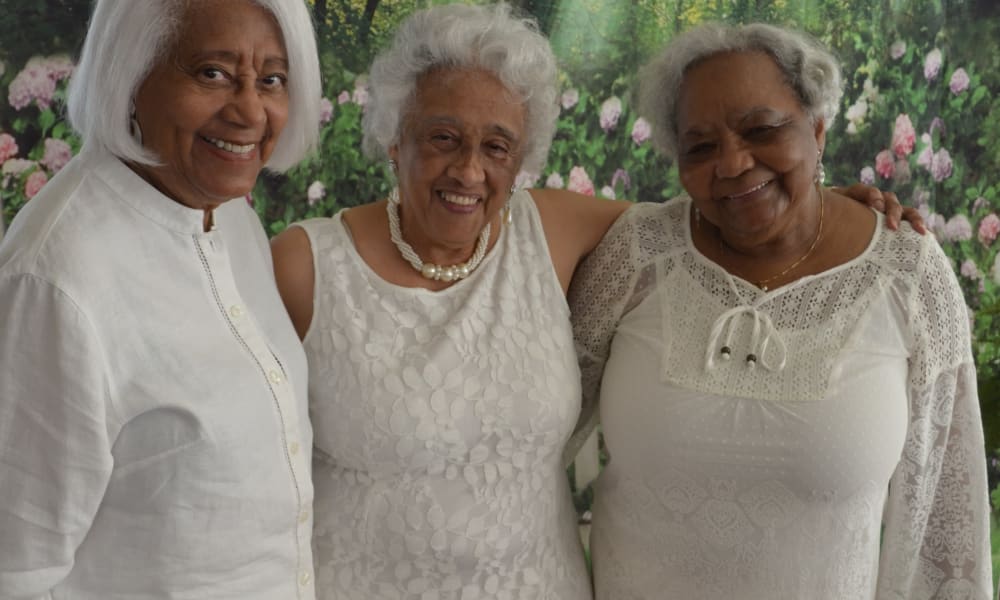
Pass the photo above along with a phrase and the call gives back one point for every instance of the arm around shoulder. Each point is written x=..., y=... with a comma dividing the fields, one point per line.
x=295, y=275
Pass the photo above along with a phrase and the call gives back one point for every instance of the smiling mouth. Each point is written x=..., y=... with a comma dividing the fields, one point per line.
x=229, y=146
x=458, y=199
x=755, y=188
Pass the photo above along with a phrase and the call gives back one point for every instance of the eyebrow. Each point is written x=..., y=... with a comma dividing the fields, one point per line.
x=234, y=57
x=493, y=128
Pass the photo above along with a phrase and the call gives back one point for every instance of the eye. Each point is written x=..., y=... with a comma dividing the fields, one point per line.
x=275, y=81
x=498, y=149
x=213, y=73
x=699, y=150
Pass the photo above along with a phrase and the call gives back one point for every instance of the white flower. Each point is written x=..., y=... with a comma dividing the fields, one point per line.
x=607, y=192
x=555, y=180
x=315, y=192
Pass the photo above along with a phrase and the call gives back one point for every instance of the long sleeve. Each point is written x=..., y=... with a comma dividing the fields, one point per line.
x=55, y=456
x=936, y=537
x=602, y=290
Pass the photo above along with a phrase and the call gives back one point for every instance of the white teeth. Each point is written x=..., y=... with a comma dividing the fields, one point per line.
x=228, y=147
x=460, y=200
x=751, y=190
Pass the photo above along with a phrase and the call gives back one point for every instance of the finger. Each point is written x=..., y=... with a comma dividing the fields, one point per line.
x=915, y=219
x=894, y=210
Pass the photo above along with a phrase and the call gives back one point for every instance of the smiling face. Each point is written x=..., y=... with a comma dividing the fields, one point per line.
x=459, y=151
x=212, y=109
x=747, y=150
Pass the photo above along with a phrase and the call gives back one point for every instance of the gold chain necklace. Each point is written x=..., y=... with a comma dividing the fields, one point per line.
x=762, y=283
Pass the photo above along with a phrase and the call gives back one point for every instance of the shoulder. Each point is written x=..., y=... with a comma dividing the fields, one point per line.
x=653, y=228
x=575, y=220
x=294, y=273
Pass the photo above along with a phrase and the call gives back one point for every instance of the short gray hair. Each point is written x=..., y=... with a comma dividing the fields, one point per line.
x=125, y=40
x=809, y=68
x=459, y=36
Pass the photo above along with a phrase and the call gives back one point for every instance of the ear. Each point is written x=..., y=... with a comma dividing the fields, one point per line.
x=819, y=130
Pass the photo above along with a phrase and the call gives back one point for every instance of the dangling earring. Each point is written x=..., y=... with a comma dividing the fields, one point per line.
x=820, y=169
x=505, y=212
x=133, y=125
x=392, y=165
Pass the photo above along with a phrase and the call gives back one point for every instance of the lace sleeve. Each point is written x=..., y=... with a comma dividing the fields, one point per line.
x=602, y=290
x=936, y=539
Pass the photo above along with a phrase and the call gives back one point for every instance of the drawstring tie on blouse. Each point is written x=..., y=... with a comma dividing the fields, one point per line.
x=763, y=337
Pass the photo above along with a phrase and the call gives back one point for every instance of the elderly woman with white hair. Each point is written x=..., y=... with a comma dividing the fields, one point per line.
x=154, y=437
x=785, y=387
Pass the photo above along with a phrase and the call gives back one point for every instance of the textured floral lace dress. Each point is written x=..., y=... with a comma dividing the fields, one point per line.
x=772, y=478
x=439, y=420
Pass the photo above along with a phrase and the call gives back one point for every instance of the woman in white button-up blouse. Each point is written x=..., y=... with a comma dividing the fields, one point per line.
x=154, y=441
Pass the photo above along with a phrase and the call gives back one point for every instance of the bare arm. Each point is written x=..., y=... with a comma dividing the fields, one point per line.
x=574, y=224
x=293, y=271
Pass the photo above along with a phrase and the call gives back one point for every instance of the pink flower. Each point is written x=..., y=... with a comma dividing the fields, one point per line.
x=641, y=131
x=57, y=154
x=34, y=183
x=554, y=180
x=621, y=175
x=941, y=165
x=344, y=97
x=8, y=147
x=937, y=124
x=580, y=182
x=867, y=176
x=959, y=81
x=884, y=164
x=958, y=229
x=989, y=227
x=979, y=204
x=569, y=98
x=608, y=192
x=360, y=95
x=315, y=192
x=897, y=50
x=903, y=136
x=970, y=270
x=610, y=111
x=32, y=84
x=932, y=64
x=325, y=110
x=16, y=166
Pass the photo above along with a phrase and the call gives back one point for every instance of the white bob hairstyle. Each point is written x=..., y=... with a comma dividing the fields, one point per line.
x=810, y=70
x=458, y=36
x=125, y=40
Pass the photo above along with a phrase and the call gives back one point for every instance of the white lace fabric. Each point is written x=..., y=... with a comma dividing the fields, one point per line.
x=772, y=478
x=439, y=419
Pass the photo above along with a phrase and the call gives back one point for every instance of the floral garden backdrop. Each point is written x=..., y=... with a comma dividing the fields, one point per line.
x=920, y=117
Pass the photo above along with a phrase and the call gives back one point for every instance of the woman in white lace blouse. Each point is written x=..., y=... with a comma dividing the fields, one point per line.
x=781, y=379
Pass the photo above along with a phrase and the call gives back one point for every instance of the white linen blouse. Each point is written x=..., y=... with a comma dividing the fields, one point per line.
x=838, y=453
x=154, y=434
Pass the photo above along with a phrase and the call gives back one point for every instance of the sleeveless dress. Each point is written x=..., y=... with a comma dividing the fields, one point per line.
x=439, y=422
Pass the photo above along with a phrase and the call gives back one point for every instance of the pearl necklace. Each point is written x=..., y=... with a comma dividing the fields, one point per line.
x=430, y=270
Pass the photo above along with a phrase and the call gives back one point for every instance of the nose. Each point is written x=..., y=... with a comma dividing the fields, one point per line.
x=734, y=159
x=246, y=106
x=467, y=168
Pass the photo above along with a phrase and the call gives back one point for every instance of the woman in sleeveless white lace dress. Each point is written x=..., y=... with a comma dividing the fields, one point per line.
x=789, y=401
x=443, y=382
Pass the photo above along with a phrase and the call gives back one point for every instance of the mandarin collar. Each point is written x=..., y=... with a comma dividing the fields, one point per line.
x=143, y=197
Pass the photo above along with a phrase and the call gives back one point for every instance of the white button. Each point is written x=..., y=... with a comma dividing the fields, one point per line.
x=293, y=448
x=305, y=578
x=236, y=311
x=303, y=516
x=275, y=376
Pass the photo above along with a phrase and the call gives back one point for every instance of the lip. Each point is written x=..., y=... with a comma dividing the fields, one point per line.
x=458, y=202
x=749, y=192
x=231, y=148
